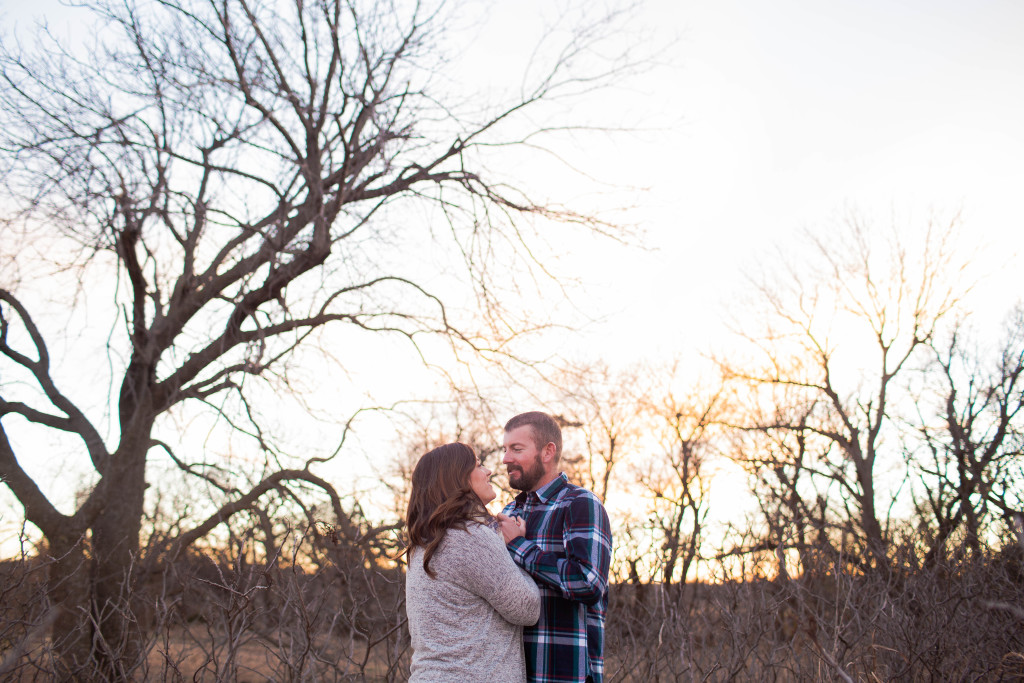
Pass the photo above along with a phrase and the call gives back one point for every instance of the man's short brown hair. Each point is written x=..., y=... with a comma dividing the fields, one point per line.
x=544, y=427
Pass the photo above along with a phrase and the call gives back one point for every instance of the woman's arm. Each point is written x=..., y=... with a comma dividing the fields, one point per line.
x=487, y=570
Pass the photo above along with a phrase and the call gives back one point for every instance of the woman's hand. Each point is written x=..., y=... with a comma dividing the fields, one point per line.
x=511, y=527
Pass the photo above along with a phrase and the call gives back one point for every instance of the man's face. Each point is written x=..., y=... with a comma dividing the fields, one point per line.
x=522, y=458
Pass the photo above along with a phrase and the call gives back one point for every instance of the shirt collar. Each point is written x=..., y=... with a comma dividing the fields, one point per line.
x=548, y=491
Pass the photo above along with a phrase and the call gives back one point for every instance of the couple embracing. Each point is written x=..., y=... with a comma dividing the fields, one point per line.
x=520, y=597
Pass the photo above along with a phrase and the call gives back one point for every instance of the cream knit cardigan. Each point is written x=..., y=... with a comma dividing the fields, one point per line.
x=467, y=624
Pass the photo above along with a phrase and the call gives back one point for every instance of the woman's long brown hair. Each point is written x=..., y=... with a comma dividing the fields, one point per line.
x=441, y=498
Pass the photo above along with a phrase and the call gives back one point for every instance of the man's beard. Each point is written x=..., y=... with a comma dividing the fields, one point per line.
x=525, y=480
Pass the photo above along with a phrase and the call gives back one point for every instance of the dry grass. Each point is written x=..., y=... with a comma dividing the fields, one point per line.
x=962, y=621
x=936, y=625
x=180, y=655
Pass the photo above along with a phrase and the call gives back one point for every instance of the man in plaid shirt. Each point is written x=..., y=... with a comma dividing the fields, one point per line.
x=565, y=545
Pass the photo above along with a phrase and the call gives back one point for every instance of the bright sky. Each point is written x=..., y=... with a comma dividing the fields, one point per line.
x=770, y=117
x=791, y=111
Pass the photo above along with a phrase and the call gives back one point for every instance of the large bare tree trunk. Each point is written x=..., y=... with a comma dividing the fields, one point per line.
x=876, y=541
x=116, y=548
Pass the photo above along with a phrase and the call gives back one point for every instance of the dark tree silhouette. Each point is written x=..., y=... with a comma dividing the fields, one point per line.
x=968, y=460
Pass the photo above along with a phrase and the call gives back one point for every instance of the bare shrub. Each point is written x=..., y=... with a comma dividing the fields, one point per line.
x=25, y=615
x=960, y=620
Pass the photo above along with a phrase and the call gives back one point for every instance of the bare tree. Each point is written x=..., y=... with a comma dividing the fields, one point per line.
x=797, y=508
x=600, y=409
x=464, y=417
x=970, y=465
x=677, y=478
x=231, y=171
x=843, y=324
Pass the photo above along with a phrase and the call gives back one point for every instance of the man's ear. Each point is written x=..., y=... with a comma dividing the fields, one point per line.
x=547, y=453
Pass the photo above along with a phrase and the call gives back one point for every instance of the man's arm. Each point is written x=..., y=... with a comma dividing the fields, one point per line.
x=581, y=574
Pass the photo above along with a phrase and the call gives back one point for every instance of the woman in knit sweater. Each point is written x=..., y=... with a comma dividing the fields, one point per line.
x=466, y=600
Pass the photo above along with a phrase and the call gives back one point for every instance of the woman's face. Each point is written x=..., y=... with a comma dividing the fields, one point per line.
x=480, y=482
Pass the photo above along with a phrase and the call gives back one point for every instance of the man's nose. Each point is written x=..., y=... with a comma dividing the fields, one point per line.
x=506, y=459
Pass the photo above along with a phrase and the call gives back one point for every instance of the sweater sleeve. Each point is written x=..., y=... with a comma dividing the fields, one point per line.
x=486, y=569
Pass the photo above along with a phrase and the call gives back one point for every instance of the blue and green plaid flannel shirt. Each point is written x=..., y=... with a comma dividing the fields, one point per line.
x=567, y=550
